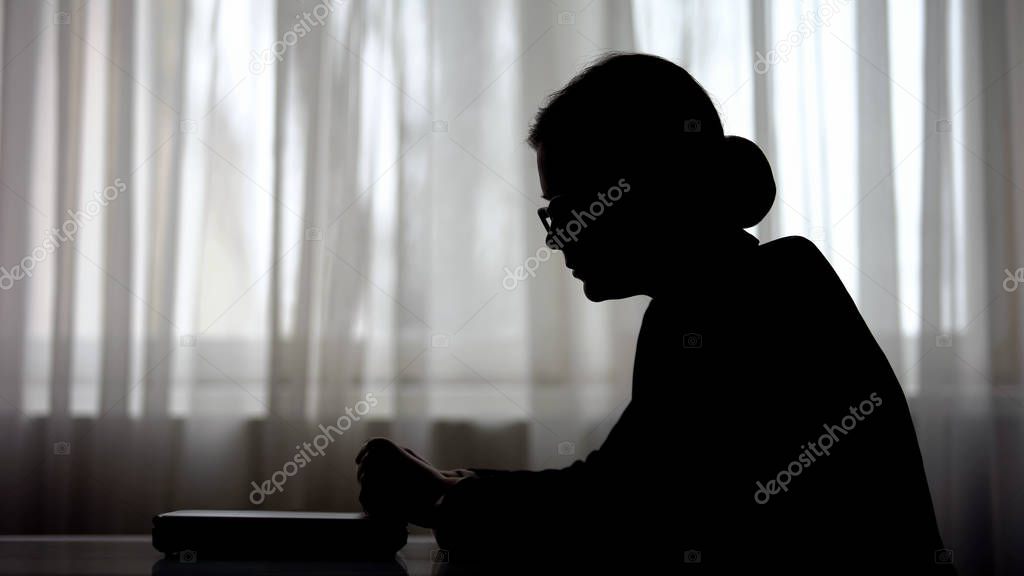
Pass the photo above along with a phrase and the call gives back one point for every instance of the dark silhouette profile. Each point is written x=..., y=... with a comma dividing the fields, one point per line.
x=766, y=428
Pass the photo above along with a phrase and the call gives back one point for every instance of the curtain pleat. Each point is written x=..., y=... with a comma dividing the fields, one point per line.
x=69, y=105
x=410, y=33
x=342, y=354
x=21, y=57
x=22, y=23
x=764, y=124
x=876, y=213
x=169, y=53
x=117, y=326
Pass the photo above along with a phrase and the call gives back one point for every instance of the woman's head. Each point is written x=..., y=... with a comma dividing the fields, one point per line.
x=634, y=162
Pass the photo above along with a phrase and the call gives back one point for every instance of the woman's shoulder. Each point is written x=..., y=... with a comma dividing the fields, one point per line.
x=804, y=286
x=783, y=274
x=795, y=251
x=796, y=263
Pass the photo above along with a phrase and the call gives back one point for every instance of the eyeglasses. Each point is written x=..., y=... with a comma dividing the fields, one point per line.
x=544, y=212
x=555, y=206
x=545, y=218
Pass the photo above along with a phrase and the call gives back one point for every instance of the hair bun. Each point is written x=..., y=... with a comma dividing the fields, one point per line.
x=748, y=181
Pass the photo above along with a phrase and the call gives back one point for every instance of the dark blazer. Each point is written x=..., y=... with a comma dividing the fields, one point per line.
x=766, y=428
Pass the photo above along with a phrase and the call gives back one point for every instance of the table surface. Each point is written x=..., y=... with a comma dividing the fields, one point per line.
x=117, y=555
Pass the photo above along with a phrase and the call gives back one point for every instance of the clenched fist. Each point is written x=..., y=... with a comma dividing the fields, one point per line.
x=396, y=482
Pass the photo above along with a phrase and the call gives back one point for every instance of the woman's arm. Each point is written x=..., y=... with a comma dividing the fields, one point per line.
x=508, y=509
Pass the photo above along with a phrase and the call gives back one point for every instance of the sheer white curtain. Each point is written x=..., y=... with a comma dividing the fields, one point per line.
x=277, y=209
x=280, y=208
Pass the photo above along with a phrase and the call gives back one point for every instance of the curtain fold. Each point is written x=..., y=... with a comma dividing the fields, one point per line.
x=118, y=240
x=169, y=53
x=876, y=210
x=22, y=23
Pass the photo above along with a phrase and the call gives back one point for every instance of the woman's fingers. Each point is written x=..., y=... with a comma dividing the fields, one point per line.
x=367, y=446
x=372, y=465
x=368, y=500
x=379, y=497
x=373, y=445
x=416, y=456
x=378, y=465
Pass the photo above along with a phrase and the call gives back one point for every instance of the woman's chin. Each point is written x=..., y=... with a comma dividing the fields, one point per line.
x=599, y=290
x=592, y=293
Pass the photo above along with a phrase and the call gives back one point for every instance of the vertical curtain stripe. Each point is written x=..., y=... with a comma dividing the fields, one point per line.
x=117, y=301
x=876, y=212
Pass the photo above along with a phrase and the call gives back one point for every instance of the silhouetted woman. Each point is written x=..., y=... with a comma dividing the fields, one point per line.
x=766, y=427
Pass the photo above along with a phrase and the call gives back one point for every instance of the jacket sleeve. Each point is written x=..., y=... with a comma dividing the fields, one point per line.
x=495, y=506
x=496, y=510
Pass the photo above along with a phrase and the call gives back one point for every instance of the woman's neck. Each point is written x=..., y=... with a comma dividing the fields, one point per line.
x=704, y=269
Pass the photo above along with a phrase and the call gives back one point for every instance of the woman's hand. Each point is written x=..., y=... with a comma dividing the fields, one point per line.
x=397, y=482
